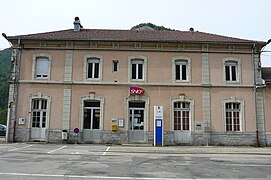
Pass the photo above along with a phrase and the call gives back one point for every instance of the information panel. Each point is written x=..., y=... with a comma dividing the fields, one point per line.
x=158, y=126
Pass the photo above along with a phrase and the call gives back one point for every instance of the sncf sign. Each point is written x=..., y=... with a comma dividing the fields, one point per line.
x=136, y=91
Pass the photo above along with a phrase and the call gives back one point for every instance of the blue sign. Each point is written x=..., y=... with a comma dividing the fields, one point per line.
x=158, y=126
x=158, y=132
x=76, y=130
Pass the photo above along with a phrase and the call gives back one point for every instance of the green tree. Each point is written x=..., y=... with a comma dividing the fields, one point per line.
x=3, y=116
x=5, y=64
x=152, y=26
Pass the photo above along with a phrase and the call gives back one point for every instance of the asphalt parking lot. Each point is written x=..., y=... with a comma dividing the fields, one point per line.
x=85, y=161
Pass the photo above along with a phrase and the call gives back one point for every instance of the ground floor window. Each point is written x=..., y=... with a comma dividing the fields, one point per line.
x=92, y=115
x=39, y=113
x=232, y=117
x=181, y=115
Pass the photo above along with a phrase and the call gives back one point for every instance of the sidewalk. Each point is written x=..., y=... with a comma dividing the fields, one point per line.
x=176, y=149
x=199, y=149
x=228, y=149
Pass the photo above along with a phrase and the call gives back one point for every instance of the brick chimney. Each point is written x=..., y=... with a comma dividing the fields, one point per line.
x=77, y=24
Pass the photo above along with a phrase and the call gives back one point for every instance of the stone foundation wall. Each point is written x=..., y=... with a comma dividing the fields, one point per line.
x=22, y=135
x=233, y=139
x=118, y=137
x=121, y=137
x=168, y=138
x=199, y=139
x=54, y=136
x=268, y=138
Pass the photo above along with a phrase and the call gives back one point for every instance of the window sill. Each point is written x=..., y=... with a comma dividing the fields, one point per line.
x=93, y=80
x=179, y=82
x=231, y=82
x=137, y=80
x=41, y=79
x=234, y=132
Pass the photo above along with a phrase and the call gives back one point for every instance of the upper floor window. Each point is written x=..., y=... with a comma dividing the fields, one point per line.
x=41, y=66
x=181, y=69
x=231, y=70
x=115, y=65
x=93, y=67
x=137, y=68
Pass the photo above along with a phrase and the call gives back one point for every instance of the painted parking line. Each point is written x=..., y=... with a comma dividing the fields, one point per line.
x=79, y=153
x=81, y=177
x=56, y=149
x=19, y=148
x=107, y=149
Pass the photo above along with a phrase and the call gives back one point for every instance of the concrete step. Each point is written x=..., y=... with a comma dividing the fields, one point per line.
x=138, y=145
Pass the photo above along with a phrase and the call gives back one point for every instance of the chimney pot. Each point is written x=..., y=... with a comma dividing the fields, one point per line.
x=77, y=24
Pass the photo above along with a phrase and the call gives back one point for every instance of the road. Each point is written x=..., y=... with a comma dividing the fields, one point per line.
x=67, y=161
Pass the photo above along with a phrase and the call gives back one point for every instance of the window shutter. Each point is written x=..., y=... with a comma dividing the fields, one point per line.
x=42, y=65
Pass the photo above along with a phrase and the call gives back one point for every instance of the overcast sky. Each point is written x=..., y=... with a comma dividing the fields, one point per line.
x=247, y=19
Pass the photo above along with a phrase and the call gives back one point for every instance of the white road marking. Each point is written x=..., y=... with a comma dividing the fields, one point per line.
x=250, y=165
x=94, y=177
x=75, y=176
x=56, y=149
x=19, y=148
x=14, y=159
x=107, y=149
x=76, y=153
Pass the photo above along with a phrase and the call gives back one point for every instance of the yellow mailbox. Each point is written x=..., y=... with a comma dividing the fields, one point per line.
x=114, y=125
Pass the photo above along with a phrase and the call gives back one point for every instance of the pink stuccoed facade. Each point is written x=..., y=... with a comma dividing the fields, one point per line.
x=210, y=88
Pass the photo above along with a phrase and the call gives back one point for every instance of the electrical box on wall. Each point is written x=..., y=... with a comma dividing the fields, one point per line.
x=21, y=121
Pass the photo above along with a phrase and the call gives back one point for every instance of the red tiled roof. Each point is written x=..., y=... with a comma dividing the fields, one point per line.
x=133, y=35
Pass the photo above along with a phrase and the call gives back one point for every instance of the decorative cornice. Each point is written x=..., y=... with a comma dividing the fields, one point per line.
x=132, y=83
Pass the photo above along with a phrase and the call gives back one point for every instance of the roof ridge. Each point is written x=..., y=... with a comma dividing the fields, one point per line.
x=134, y=35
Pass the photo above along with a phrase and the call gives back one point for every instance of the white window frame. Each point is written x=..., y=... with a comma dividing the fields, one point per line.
x=183, y=98
x=181, y=109
x=40, y=110
x=231, y=62
x=137, y=60
x=241, y=114
x=93, y=58
x=92, y=111
x=92, y=97
x=181, y=60
x=40, y=96
x=34, y=64
x=146, y=109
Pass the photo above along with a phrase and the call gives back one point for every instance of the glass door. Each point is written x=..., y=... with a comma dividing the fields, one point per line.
x=137, y=122
x=136, y=119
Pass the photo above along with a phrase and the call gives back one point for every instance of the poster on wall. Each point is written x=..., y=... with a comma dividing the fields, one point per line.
x=121, y=122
